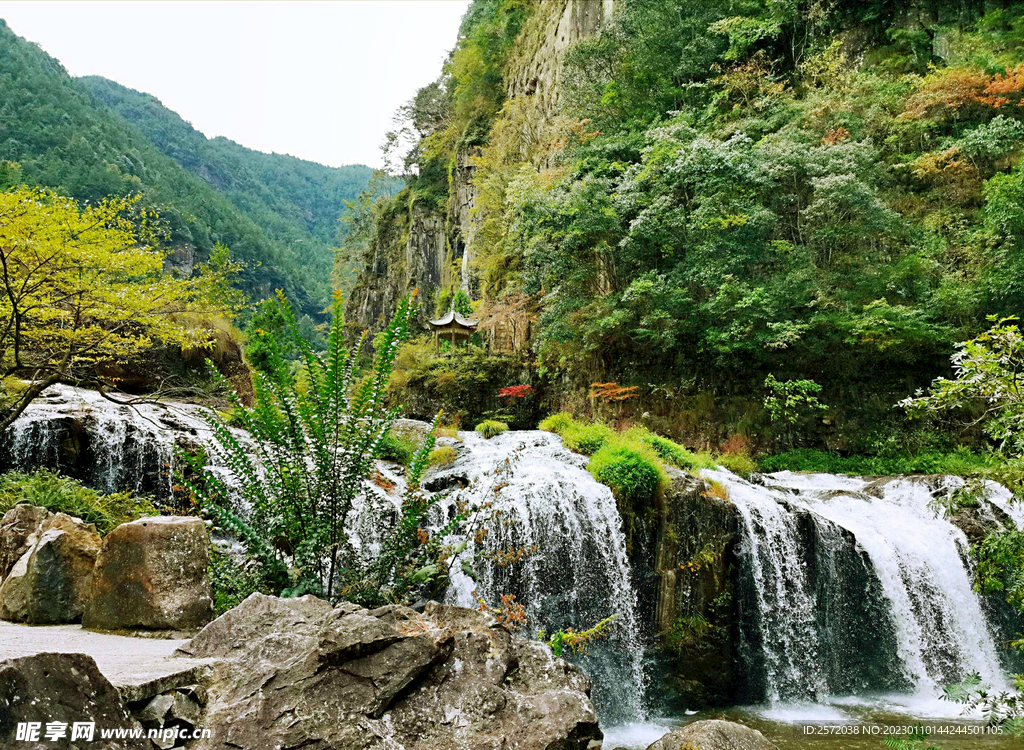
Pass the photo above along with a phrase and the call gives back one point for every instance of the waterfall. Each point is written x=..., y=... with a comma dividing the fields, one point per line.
x=579, y=573
x=855, y=585
x=108, y=446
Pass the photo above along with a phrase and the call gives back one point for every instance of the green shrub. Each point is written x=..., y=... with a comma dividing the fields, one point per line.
x=62, y=495
x=231, y=582
x=738, y=463
x=632, y=471
x=667, y=450
x=397, y=449
x=587, y=439
x=557, y=423
x=442, y=456
x=491, y=427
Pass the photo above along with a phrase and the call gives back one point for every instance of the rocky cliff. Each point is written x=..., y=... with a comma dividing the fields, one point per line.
x=425, y=243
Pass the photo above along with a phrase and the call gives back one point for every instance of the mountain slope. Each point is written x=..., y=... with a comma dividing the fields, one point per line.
x=59, y=135
x=293, y=200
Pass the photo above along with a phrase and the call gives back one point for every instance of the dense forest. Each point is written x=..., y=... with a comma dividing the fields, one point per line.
x=91, y=138
x=719, y=192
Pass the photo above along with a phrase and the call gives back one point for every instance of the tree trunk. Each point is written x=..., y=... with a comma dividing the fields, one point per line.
x=7, y=416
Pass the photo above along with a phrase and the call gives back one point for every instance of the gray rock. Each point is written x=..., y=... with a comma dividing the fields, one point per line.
x=714, y=734
x=50, y=583
x=156, y=710
x=152, y=573
x=298, y=673
x=17, y=526
x=64, y=688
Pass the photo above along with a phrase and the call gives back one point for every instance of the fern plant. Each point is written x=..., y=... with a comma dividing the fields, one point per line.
x=299, y=477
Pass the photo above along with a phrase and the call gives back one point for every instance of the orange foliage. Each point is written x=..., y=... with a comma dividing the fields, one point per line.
x=835, y=135
x=1006, y=88
x=736, y=443
x=946, y=90
x=613, y=392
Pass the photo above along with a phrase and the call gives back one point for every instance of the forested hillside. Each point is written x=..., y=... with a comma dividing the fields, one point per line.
x=695, y=196
x=295, y=202
x=90, y=139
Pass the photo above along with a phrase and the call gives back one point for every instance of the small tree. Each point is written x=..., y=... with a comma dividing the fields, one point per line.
x=301, y=473
x=792, y=403
x=82, y=285
x=988, y=383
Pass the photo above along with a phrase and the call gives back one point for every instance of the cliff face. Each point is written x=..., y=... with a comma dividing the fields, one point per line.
x=535, y=69
x=429, y=248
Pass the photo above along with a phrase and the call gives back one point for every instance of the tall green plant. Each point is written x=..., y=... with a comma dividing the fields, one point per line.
x=312, y=440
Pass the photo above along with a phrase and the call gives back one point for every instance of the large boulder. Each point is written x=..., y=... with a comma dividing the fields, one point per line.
x=152, y=574
x=299, y=673
x=50, y=583
x=65, y=688
x=17, y=529
x=714, y=734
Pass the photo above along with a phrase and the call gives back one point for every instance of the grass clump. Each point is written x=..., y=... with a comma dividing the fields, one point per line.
x=740, y=464
x=557, y=423
x=632, y=471
x=442, y=456
x=668, y=451
x=63, y=495
x=491, y=427
x=397, y=449
x=587, y=439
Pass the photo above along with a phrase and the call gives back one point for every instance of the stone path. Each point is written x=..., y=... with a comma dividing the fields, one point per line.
x=138, y=667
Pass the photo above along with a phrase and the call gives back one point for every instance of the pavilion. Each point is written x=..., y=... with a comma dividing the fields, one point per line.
x=452, y=327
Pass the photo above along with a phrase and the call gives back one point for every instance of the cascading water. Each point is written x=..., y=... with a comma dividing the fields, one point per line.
x=108, y=446
x=579, y=573
x=851, y=585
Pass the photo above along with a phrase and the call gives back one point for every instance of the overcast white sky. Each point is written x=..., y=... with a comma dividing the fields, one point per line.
x=319, y=80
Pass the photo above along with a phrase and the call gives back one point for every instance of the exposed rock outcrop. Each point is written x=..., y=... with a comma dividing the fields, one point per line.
x=687, y=594
x=536, y=65
x=18, y=531
x=714, y=734
x=152, y=574
x=65, y=688
x=50, y=583
x=300, y=673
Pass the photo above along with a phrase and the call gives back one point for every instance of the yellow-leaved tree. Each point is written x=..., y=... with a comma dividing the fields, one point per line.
x=83, y=285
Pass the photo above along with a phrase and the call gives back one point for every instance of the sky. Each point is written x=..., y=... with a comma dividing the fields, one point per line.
x=318, y=80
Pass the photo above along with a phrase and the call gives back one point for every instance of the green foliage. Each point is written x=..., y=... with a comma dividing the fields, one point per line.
x=1003, y=709
x=577, y=641
x=633, y=472
x=91, y=138
x=490, y=427
x=792, y=401
x=988, y=371
x=587, y=439
x=396, y=448
x=961, y=462
x=667, y=450
x=232, y=582
x=1000, y=566
x=442, y=456
x=738, y=463
x=62, y=495
x=556, y=423
x=686, y=630
x=310, y=453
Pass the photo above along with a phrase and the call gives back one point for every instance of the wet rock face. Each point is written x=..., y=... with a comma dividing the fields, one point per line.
x=152, y=573
x=714, y=734
x=65, y=688
x=50, y=582
x=687, y=593
x=297, y=672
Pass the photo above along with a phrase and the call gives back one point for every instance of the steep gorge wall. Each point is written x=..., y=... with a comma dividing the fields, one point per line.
x=427, y=247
